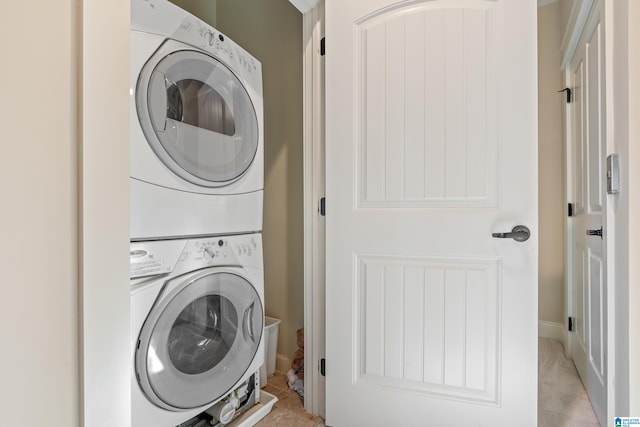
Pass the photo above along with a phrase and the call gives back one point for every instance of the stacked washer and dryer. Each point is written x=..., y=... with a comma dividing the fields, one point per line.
x=197, y=290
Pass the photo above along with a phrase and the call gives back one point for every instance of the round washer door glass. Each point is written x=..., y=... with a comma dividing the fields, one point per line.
x=196, y=345
x=197, y=117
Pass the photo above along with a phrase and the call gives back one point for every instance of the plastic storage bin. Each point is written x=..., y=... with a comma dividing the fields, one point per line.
x=271, y=328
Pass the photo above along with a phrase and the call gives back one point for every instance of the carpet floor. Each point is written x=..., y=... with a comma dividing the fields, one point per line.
x=562, y=399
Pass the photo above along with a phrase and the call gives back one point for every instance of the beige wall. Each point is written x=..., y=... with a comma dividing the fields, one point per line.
x=39, y=379
x=203, y=9
x=551, y=166
x=65, y=304
x=271, y=30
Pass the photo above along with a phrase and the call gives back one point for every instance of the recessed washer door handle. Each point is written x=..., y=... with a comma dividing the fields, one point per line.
x=519, y=233
x=247, y=323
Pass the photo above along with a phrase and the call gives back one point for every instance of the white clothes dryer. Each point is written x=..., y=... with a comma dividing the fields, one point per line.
x=197, y=323
x=197, y=162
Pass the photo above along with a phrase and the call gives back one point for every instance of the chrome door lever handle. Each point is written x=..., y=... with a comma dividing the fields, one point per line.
x=520, y=233
x=597, y=232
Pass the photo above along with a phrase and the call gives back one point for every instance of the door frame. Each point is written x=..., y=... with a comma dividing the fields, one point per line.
x=314, y=186
x=580, y=21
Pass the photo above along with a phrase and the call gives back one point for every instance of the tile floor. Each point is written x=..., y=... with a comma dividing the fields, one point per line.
x=288, y=411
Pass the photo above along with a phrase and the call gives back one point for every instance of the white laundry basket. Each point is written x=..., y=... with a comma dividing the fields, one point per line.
x=271, y=327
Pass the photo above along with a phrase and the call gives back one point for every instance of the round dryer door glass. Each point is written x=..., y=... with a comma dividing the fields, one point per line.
x=197, y=117
x=199, y=339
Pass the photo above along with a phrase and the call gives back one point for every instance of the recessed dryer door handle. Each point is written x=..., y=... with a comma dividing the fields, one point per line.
x=519, y=233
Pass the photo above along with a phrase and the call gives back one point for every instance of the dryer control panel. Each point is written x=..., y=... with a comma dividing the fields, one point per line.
x=165, y=18
x=207, y=38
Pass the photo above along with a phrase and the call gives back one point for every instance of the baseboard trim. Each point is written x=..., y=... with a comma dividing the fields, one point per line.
x=551, y=330
x=283, y=363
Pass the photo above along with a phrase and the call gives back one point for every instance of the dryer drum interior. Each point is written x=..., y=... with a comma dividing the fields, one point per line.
x=197, y=117
x=195, y=103
x=199, y=340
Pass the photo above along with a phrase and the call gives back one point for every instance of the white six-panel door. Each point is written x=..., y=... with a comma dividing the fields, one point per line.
x=431, y=147
x=588, y=266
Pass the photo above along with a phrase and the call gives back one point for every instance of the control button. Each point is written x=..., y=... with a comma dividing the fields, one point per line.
x=138, y=253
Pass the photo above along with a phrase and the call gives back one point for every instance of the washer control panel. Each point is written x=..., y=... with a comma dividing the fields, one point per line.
x=153, y=258
x=179, y=256
x=227, y=249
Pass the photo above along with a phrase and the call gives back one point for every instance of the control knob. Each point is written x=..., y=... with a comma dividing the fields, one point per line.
x=210, y=37
x=208, y=253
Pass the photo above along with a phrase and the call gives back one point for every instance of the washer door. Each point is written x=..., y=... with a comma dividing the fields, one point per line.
x=196, y=115
x=198, y=341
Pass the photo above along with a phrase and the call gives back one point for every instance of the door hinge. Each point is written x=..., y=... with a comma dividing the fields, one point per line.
x=323, y=209
x=322, y=49
x=570, y=324
x=571, y=209
x=568, y=91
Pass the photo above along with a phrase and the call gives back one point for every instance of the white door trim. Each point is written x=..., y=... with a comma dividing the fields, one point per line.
x=103, y=213
x=314, y=176
x=578, y=18
x=305, y=6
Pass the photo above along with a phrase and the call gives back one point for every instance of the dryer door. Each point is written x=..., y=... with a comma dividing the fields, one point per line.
x=196, y=115
x=199, y=339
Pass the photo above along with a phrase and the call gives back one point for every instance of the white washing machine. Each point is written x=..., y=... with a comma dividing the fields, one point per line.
x=197, y=162
x=197, y=323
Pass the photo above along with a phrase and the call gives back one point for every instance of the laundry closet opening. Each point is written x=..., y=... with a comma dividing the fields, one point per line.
x=271, y=31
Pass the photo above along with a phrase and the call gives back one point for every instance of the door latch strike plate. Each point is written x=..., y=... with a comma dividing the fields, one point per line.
x=322, y=367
